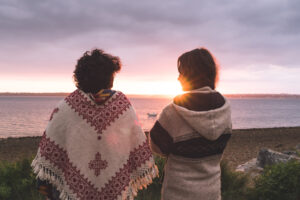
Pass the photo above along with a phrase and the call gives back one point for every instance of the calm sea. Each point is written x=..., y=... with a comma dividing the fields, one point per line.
x=28, y=115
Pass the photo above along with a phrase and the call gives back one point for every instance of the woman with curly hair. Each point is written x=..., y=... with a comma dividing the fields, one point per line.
x=192, y=131
x=93, y=147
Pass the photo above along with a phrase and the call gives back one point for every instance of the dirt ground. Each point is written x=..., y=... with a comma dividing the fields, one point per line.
x=243, y=145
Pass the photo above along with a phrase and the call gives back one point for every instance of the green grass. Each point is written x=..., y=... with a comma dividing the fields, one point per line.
x=17, y=181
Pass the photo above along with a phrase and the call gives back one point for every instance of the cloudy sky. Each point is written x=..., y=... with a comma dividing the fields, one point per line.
x=256, y=43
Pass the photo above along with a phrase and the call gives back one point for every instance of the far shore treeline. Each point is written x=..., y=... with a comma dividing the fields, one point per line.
x=63, y=94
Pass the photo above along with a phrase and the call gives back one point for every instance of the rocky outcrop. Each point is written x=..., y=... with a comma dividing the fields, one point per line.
x=270, y=157
x=250, y=167
x=267, y=157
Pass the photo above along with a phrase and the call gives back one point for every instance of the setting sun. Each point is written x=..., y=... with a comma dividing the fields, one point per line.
x=170, y=88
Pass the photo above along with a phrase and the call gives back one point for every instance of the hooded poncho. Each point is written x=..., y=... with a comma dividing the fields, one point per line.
x=92, y=152
x=192, y=132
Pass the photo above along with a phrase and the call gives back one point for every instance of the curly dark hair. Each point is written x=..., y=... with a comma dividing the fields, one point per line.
x=198, y=67
x=95, y=70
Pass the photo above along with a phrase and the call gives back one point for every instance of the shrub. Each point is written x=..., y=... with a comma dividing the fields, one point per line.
x=18, y=181
x=278, y=182
x=234, y=185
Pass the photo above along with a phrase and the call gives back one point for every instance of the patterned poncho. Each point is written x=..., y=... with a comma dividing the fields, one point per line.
x=92, y=152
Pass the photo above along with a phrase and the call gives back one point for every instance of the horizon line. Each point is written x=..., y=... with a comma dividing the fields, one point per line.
x=237, y=95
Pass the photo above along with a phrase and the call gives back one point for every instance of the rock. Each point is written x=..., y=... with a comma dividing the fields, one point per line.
x=297, y=147
x=290, y=153
x=250, y=168
x=247, y=166
x=270, y=157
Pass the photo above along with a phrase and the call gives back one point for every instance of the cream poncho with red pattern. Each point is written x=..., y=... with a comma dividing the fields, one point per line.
x=94, y=152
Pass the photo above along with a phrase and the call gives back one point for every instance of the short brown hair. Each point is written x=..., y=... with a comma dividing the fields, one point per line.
x=95, y=70
x=198, y=67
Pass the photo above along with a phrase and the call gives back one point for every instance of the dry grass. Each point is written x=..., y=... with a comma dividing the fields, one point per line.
x=16, y=149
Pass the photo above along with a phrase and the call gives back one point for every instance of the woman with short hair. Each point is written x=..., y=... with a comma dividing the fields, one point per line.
x=192, y=131
x=93, y=147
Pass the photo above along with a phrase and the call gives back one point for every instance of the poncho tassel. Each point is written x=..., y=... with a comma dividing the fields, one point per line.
x=45, y=173
x=139, y=183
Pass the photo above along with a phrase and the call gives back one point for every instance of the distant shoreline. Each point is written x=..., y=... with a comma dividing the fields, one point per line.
x=235, y=96
x=33, y=94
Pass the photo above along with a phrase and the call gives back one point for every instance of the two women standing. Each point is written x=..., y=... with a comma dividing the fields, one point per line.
x=94, y=148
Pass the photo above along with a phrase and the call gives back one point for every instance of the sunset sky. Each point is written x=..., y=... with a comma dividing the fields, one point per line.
x=256, y=43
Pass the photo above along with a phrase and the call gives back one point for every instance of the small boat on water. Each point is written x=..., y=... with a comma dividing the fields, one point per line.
x=152, y=114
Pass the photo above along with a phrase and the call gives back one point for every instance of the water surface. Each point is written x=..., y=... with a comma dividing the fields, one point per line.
x=28, y=115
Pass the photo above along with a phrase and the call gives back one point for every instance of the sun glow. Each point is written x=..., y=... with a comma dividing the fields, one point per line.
x=38, y=84
x=168, y=88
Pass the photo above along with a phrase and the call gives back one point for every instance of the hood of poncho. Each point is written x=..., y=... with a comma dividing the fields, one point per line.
x=209, y=124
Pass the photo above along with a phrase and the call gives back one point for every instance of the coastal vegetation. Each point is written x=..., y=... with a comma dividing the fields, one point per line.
x=277, y=182
x=17, y=181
